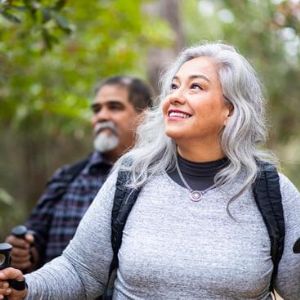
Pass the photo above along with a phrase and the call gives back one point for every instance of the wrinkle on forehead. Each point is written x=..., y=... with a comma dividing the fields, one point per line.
x=200, y=66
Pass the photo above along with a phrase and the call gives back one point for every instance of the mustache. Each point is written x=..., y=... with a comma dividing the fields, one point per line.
x=105, y=125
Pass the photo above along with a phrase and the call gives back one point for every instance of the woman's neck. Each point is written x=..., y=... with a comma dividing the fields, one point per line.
x=200, y=154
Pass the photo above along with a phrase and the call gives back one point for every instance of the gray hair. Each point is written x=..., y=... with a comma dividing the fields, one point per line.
x=245, y=131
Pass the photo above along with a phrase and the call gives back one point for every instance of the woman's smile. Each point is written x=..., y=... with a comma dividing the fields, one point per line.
x=177, y=115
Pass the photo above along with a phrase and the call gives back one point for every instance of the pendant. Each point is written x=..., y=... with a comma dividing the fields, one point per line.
x=196, y=195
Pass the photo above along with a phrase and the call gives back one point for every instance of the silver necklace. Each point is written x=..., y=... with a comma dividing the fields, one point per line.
x=195, y=195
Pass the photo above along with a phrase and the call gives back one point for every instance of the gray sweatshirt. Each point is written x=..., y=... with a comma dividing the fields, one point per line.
x=174, y=248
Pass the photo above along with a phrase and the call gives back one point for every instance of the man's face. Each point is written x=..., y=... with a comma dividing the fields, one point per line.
x=114, y=121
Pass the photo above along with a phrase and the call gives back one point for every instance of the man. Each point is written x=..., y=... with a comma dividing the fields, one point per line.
x=117, y=108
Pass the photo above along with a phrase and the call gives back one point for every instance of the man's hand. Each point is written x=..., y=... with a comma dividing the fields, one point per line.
x=23, y=254
x=8, y=291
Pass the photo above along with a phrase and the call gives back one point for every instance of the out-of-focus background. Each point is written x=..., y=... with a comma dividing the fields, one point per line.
x=52, y=52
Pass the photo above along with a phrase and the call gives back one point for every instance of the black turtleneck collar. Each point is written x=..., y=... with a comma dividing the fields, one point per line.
x=199, y=176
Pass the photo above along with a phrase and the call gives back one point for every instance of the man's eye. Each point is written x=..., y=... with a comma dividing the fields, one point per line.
x=116, y=107
x=95, y=110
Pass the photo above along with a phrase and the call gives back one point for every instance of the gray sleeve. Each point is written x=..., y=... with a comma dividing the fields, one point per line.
x=288, y=278
x=81, y=272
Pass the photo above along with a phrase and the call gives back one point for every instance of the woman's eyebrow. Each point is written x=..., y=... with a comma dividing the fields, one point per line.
x=194, y=77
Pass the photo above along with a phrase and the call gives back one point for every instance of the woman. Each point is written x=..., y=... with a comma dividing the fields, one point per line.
x=195, y=231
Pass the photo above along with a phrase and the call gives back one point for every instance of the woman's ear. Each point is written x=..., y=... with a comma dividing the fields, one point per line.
x=230, y=109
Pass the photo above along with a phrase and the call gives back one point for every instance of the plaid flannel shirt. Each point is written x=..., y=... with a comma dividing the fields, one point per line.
x=55, y=218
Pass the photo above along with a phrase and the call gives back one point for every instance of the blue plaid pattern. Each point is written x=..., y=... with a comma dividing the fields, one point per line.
x=55, y=218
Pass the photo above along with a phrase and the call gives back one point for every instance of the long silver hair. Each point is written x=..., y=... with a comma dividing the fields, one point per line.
x=241, y=138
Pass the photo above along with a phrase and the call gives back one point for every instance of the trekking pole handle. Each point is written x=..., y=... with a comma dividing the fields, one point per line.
x=19, y=231
x=5, y=249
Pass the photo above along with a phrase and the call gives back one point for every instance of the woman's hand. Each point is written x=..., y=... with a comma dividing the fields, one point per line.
x=10, y=278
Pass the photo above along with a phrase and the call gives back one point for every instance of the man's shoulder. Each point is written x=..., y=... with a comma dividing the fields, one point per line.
x=76, y=167
x=69, y=171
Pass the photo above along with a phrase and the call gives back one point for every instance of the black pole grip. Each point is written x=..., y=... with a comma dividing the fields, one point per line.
x=19, y=231
x=5, y=249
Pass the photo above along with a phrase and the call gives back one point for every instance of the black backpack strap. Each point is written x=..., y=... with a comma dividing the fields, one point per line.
x=267, y=195
x=124, y=199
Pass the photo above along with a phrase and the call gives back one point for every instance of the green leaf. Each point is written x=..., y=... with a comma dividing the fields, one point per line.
x=59, y=4
x=46, y=12
x=47, y=38
x=61, y=22
x=10, y=17
x=5, y=197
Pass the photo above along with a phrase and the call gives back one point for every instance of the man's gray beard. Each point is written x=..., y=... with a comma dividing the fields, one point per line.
x=104, y=143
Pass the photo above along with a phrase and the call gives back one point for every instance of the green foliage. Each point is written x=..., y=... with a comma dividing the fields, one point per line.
x=108, y=37
x=41, y=20
x=51, y=54
x=9, y=215
x=5, y=198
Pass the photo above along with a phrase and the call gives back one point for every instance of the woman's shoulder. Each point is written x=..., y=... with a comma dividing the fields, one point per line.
x=286, y=185
x=290, y=197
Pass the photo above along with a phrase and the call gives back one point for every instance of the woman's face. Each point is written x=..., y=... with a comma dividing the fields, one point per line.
x=195, y=111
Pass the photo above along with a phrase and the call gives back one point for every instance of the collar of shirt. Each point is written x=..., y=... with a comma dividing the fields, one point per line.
x=96, y=159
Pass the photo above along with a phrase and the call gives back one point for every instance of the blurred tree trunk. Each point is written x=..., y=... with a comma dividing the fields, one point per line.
x=159, y=58
x=33, y=166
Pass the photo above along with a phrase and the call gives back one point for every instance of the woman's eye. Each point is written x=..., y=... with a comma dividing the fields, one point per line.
x=196, y=86
x=173, y=86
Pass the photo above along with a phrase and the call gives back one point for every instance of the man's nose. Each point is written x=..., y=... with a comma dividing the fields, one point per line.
x=102, y=115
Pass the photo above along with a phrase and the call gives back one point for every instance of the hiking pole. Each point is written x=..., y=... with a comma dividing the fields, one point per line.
x=5, y=249
x=296, y=247
x=19, y=231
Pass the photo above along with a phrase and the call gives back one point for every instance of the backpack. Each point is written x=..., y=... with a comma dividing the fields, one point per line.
x=266, y=190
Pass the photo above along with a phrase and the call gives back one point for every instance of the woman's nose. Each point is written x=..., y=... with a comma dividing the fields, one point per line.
x=177, y=96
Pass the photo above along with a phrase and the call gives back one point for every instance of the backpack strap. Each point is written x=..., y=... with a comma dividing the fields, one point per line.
x=124, y=199
x=267, y=195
